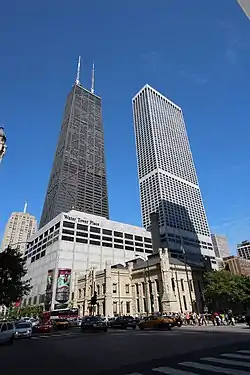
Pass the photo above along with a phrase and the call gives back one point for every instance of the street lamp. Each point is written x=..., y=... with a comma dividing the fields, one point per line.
x=3, y=145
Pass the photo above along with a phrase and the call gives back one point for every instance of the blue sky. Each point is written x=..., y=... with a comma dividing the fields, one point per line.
x=195, y=52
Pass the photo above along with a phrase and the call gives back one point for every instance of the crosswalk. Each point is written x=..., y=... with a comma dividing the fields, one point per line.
x=237, y=363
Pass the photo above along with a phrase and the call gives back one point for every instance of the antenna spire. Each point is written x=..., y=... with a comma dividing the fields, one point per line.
x=78, y=71
x=25, y=207
x=93, y=79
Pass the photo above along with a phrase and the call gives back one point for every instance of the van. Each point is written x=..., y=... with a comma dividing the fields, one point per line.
x=7, y=331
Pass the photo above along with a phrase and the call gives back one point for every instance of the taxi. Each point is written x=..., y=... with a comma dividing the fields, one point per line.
x=60, y=323
x=156, y=322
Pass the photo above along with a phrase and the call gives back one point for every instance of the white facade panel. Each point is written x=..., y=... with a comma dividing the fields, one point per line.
x=167, y=175
x=56, y=246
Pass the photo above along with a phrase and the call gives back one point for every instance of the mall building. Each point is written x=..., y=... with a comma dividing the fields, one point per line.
x=72, y=243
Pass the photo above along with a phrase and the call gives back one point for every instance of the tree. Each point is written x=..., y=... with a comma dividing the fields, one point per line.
x=12, y=270
x=223, y=290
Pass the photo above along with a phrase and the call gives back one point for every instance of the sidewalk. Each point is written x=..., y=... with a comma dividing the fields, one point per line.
x=240, y=327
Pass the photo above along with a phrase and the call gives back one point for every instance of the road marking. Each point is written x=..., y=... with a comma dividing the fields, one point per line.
x=173, y=371
x=226, y=361
x=243, y=351
x=211, y=368
x=239, y=356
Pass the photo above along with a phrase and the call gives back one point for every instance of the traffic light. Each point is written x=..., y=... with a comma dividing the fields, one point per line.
x=94, y=299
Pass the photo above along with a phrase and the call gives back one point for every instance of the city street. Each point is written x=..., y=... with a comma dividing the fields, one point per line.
x=121, y=352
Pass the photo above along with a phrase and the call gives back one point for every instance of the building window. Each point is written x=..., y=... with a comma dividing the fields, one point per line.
x=107, y=231
x=173, y=284
x=182, y=285
x=114, y=307
x=138, y=238
x=106, y=244
x=114, y=288
x=118, y=240
x=67, y=238
x=67, y=224
x=79, y=293
x=118, y=234
x=66, y=231
x=82, y=234
x=103, y=288
x=128, y=307
x=98, y=290
x=127, y=288
x=95, y=230
x=185, y=302
x=57, y=225
x=137, y=288
x=143, y=288
x=138, y=305
x=82, y=227
x=191, y=285
x=129, y=248
x=117, y=246
x=128, y=236
x=106, y=238
x=81, y=240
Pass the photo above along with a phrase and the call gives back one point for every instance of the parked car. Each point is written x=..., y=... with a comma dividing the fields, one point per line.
x=93, y=323
x=156, y=322
x=7, y=332
x=23, y=330
x=124, y=322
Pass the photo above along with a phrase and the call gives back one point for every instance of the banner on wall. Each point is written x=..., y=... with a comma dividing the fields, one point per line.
x=63, y=285
x=49, y=287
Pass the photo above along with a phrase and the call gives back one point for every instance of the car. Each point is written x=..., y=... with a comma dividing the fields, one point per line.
x=7, y=332
x=124, y=322
x=176, y=320
x=43, y=328
x=23, y=330
x=156, y=322
x=93, y=323
x=60, y=323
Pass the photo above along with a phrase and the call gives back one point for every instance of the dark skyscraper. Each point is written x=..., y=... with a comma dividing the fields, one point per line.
x=78, y=176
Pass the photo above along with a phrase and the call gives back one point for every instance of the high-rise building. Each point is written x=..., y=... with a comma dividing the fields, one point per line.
x=20, y=226
x=167, y=176
x=78, y=176
x=220, y=245
x=243, y=249
x=245, y=5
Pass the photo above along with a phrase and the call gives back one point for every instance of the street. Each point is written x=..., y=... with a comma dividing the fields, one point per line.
x=182, y=351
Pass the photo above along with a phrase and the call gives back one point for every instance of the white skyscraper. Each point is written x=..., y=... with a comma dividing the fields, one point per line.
x=167, y=176
x=19, y=228
x=245, y=5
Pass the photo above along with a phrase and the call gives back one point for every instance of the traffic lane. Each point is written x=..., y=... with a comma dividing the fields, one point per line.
x=174, y=361
x=110, y=351
x=98, y=352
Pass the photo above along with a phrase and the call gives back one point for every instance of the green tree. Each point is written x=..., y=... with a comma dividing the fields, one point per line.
x=12, y=271
x=223, y=290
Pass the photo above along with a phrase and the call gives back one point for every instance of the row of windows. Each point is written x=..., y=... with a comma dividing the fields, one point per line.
x=105, y=244
x=44, y=235
x=93, y=229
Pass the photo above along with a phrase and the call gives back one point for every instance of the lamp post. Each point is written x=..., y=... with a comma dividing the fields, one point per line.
x=3, y=145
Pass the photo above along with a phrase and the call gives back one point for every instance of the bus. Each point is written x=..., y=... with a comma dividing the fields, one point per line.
x=68, y=313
